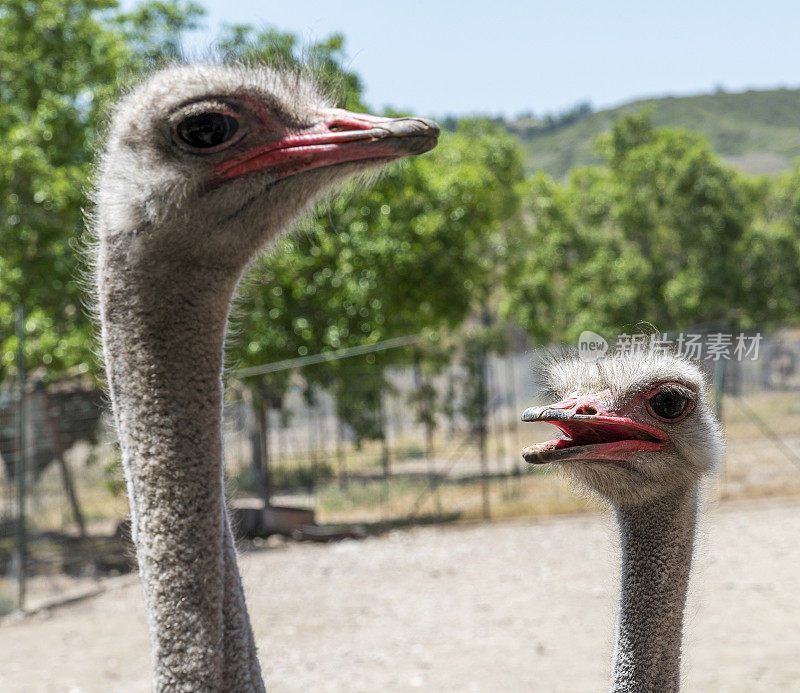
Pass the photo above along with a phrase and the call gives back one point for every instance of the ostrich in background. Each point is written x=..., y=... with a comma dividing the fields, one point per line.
x=638, y=430
x=203, y=165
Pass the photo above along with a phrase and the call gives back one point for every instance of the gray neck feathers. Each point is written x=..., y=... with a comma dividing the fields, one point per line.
x=163, y=335
x=657, y=540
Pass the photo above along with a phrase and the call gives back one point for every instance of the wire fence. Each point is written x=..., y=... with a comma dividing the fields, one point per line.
x=324, y=452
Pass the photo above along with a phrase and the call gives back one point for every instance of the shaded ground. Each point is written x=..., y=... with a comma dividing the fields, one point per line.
x=522, y=605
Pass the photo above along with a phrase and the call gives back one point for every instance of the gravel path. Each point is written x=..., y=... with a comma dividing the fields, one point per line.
x=513, y=606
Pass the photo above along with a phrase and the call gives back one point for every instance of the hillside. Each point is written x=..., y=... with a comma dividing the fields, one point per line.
x=757, y=131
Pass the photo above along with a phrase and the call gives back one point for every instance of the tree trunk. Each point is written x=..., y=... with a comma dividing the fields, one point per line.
x=483, y=400
x=254, y=433
x=66, y=476
x=262, y=416
x=341, y=461
x=385, y=461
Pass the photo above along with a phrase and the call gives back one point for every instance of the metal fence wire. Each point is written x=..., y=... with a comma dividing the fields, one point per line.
x=317, y=452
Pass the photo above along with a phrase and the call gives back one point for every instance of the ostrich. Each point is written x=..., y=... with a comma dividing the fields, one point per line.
x=639, y=432
x=203, y=165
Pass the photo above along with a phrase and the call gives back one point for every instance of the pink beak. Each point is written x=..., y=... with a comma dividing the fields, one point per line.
x=592, y=432
x=339, y=137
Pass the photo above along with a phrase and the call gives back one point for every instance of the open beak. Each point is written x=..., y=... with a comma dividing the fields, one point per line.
x=340, y=136
x=591, y=433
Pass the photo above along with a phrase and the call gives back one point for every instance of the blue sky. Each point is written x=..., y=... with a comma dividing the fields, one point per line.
x=505, y=57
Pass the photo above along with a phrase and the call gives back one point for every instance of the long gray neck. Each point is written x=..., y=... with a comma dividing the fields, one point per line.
x=163, y=339
x=657, y=540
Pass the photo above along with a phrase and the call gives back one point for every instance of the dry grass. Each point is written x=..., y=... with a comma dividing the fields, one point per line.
x=780, y=411
x=48, y=507
x=756, y=463
x=755, y=466
x=526, y=495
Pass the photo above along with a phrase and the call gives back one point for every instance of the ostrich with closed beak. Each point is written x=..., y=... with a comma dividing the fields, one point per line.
x=203, y=166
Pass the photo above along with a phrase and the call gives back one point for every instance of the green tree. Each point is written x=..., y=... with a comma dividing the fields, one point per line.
x=661, y=233
x=415, y=252
x=153, y=31
x=60, y=63
x=770, y=251
x=324, y=59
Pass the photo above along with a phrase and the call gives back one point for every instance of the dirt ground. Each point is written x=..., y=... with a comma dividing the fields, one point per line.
x=512, y=606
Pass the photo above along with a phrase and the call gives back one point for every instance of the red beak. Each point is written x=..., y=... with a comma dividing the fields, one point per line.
x=592, y=433
x=339, y=137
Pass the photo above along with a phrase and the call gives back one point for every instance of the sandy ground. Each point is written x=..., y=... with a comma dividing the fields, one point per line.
x=513, y=606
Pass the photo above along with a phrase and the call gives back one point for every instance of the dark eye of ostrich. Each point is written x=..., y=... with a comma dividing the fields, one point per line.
x=669, y=404
x=207, y=130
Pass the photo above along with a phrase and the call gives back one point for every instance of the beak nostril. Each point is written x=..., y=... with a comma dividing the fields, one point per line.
x=590, y=410
x=336, y=127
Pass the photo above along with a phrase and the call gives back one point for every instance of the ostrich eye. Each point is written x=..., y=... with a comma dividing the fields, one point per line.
x=206, y=130
x=669, y=404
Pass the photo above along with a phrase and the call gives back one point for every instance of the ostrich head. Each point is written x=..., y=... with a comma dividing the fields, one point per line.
x=205, y=163
x=635, y=427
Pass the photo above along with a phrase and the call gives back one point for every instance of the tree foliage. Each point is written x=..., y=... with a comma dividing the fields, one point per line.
x=664, y=233
x=411, y=253
x=401, y=256
x=60, y=64
x=324, y=59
